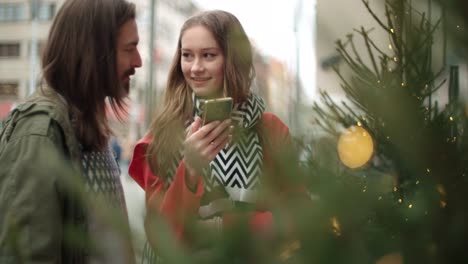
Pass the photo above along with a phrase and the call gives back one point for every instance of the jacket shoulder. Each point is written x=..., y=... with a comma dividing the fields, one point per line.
x=31, y=119
x=272, y=123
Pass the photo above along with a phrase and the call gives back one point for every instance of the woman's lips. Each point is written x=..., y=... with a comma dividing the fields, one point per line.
x=199, y=81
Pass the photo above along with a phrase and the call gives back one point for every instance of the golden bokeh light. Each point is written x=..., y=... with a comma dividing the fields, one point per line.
x=355, y=147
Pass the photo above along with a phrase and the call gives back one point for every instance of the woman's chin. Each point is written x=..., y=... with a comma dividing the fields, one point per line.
x=207, y=95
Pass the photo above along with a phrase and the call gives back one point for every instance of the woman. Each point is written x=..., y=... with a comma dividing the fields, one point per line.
x=208, y=172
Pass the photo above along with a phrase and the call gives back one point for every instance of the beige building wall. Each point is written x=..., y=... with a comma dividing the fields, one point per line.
x=17, y=28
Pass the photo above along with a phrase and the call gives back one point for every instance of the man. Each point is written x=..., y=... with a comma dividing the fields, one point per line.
x=61, y=199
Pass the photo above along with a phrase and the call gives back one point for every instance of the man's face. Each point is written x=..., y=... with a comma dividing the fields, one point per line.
x=128, y=57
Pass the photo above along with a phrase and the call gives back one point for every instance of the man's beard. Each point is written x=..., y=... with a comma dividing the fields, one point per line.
x=126, y=85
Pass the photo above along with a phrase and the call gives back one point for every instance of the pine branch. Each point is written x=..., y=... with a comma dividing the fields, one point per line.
x=353, y=48
x=376, y=18
x=353, y=113
x=346, y=56
x=375, y=47
x=369, y=50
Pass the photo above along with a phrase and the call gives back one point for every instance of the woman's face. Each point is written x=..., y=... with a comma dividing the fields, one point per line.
x=202, y=62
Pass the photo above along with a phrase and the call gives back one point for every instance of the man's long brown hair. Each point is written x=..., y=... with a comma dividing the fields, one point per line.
x=80, y=63
x=167, y=129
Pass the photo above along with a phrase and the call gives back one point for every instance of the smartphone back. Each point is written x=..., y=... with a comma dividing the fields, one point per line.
x=217, y=109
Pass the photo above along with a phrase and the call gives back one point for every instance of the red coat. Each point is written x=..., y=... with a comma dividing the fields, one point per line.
x=177, y=203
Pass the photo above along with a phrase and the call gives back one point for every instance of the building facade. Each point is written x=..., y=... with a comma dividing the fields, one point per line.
x=24, y=26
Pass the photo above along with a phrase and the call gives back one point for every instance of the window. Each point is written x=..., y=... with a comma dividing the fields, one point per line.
x=8, y=89
x=46, y=11
x=10, y=12
x=8, y=50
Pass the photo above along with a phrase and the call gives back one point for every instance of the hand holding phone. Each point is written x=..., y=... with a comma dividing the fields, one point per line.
x=217, y=109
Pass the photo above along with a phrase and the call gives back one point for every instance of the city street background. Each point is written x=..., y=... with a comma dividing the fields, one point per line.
x=135, y=198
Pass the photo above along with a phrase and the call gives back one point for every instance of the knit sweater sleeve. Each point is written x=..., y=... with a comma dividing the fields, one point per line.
x=176, y=203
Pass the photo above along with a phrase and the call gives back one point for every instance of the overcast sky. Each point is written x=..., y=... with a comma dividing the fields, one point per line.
x=268, y=22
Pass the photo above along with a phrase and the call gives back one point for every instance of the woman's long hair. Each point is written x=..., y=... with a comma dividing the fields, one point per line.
x=167, y=128
x=80, y=64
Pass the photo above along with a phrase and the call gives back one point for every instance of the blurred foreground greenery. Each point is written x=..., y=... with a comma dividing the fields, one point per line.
x=407, y=203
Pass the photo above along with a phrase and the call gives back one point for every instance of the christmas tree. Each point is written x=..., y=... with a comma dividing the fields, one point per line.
x=388, y=183
x=398, y=182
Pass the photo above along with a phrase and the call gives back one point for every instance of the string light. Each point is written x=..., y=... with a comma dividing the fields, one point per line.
x=400, y=200
x=393, y=31
x=443, y=193
x=443, y=204
x=289, y=249
x=441, y=189
x=410, y=206
x=336, y=226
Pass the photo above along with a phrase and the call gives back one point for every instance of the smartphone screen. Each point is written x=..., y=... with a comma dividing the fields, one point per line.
x=217, y=109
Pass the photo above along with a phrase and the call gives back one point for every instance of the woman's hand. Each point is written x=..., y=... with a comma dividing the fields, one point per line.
x=203, y=143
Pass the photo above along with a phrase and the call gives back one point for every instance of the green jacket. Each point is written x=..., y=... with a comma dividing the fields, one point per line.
x=40, y=185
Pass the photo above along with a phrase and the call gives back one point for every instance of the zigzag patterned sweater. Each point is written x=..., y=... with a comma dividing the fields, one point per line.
x=176, y=200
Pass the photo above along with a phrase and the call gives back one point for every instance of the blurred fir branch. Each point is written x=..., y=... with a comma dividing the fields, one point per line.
x=406, y=204
x=420, y=150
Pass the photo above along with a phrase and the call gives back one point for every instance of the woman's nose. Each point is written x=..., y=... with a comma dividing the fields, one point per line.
x=197, y=66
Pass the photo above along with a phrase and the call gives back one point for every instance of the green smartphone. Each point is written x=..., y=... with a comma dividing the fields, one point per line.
x=217, y=109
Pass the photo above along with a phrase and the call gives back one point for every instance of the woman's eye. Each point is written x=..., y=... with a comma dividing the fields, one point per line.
x=186, y=55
